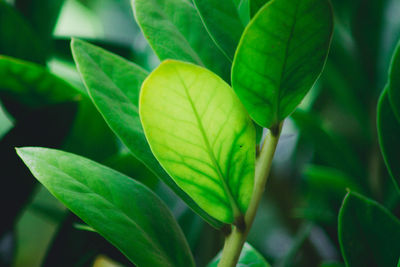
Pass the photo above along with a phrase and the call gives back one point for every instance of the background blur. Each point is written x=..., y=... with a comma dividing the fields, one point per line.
x=329, y=144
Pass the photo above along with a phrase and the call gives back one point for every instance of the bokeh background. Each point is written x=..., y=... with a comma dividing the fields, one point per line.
x=328, y=145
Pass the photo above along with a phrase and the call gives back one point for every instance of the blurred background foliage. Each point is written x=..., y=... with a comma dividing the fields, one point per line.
x=328, y=145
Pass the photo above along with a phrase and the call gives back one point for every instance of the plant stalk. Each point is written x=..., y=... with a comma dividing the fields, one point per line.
x=235, y=240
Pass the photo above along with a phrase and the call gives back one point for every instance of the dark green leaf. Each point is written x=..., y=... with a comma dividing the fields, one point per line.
x=249, y=257
x=221, y=18
x=280, y=55
x=368, y=233
x=33, y=84
x=202, y=135
x=17, y=37
x=394, y=83
x=388, y=133
x=114, y=85
x=122, y=210
x=175, y=31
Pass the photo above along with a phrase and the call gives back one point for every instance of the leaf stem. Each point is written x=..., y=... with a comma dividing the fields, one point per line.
x=235, y=240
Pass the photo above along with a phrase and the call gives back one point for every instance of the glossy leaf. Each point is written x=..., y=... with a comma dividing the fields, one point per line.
x=249, y=257
x=368, y=233
x=201, y=134
x=114, y=84
x=394, y=83
x=33, y=84
x=122, y=210
x=18, y=39
x=388, y=133
x=222, y=20
x=175, y=31
x=280, y=55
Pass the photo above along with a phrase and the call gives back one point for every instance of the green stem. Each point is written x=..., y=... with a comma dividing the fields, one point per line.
x=235, y=240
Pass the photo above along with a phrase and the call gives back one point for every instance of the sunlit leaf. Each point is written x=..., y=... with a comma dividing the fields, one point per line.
x=114, y=85
x=33, y=84
x=175, y=31
x=249, y=257
x=368, y=233
x=388, y=133
x=201, y=134
x=280, y=55
x=122, y=210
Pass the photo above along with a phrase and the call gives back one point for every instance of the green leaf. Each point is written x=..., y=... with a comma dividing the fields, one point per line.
x=175, y=31
x=114, y=84
x=388, y=135
x=33, y=84
x=202, y=136
x=249, y=257
x=394, y=83
x=280, y=55
x=256, y=5
x=17, y=37
x=221, y=18
x=122, y=210
x=368, y=233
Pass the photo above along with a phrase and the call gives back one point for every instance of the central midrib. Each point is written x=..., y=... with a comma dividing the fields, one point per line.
x=234, y=204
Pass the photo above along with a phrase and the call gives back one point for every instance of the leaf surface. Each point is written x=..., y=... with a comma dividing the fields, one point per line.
x=394, y=83
x=368, y=233
x=222, y=20
x=175, y=31
x=122, y=210
x=388, y=135
x=280, y=55
x=201, y=134
x=249, y=257
x=6, y=122
x=114, y=84
x=33, y=84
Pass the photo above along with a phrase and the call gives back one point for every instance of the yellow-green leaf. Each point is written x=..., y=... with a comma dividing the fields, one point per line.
x=201, y=134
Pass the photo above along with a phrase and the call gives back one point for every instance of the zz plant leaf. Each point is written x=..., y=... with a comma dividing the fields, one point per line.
x=175, y=31
x=280, y=55
x=202, y=135
x=122, y=210
x=368, y=233
x=113, y=84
